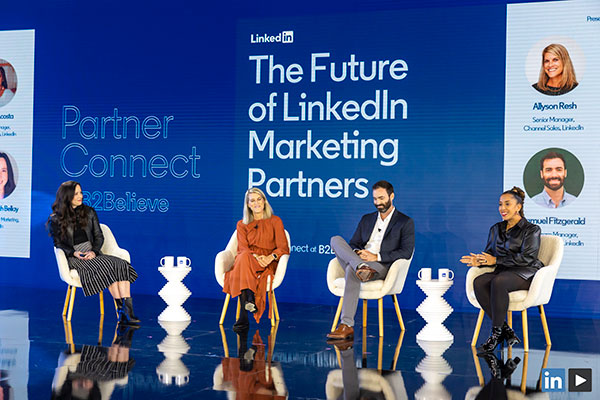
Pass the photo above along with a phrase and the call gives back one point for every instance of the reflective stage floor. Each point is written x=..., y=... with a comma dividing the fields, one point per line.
x=40, y=356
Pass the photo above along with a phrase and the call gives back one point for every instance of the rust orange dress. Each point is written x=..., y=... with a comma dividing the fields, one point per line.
x=261, y=237
x=251, y=385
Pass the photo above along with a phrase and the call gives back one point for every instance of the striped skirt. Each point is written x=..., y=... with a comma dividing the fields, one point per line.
x=100, y=272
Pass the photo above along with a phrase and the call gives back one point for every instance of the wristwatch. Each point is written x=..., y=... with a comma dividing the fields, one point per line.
x=275, y=257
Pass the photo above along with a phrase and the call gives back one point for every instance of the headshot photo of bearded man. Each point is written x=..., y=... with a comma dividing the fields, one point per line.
x=553, y=173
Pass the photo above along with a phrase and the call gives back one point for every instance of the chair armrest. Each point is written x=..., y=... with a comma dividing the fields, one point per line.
x=121, y=253
x=280, y=272
x=541, y=287
x=223, y=263
x=334, y=271
x=473, y=273
x=396, y=277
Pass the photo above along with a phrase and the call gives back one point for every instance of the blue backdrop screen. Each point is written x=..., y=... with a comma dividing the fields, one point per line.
x=167, y=113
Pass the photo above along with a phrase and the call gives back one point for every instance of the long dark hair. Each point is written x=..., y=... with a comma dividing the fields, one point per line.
x=63, y=211
x=10, y=185
x=4, y=83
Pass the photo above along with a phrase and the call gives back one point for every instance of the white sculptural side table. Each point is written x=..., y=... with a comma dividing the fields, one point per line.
x=434, y=310
x=174, y=293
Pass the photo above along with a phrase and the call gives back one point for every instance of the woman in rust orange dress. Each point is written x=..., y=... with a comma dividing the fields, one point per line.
x=261, y=242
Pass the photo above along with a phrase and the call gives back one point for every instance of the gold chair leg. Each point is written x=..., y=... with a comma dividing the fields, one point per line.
x=397, y=352
x=477, y=328
x=337, y=314
x=101, y=330
x=525, y=330
x=238, y=309
x=364, y=313
x=224, y=311
x=64, y=313
x=271, y=313
x=116, y=308
x=101, y=295
x=380, y=355
x=509, y=318
x=338, y=356
x=275, y=308
x=398, y=313
x=224, y=340
x=524, y=375
x=71, y=303
x=380, y=309
x=545, y=326
x=477, y=367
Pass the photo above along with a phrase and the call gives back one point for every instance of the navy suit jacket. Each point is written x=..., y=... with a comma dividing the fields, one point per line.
x=398, y=240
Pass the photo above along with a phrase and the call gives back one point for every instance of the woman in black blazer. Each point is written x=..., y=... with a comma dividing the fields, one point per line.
x=75, y=229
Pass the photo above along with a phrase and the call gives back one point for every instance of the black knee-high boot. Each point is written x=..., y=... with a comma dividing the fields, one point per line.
x=127, y=315
x=242, y=323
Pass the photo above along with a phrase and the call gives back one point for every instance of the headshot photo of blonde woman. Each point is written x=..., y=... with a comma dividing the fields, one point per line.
x=557, y=74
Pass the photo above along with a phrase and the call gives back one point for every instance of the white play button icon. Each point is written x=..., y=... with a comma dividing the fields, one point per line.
x=579, y=380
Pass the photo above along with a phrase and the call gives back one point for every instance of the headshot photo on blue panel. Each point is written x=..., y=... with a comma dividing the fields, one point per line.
x=306, y=200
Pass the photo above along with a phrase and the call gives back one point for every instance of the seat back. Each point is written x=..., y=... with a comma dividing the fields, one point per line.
x=63, y=268
x=227, y=256
x=551, y=251
x=396, y=277
x=551, y=254
x=109, y=247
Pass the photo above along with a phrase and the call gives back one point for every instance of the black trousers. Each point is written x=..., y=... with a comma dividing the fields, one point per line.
x=492, y=290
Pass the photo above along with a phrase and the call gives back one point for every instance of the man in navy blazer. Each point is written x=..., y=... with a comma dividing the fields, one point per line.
x=380, y=239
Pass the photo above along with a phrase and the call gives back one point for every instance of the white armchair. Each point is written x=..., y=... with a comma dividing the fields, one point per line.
x=538, y=294
x=393, y=284
x=71, y=277
x=224, y=262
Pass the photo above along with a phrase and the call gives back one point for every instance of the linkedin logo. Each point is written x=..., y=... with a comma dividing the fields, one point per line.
x=553, y=380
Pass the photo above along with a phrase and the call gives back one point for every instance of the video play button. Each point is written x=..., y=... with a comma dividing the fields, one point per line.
x=580, y=379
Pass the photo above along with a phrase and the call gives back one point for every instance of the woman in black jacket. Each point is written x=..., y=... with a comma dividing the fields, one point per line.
x=75, y=229
x=512, y=247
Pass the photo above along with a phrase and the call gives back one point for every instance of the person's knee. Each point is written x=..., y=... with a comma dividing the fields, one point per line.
x=335, y=240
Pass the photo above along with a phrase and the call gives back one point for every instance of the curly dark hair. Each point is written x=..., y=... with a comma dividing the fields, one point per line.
x=10, y=185
x=519, y=196
x=63, y=211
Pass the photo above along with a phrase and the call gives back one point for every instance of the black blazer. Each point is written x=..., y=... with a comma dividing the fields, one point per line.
x=398, y=239
x=92, y=231
x=516, y=250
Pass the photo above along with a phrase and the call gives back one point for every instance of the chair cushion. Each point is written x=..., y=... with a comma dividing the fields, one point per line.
x=374, y=286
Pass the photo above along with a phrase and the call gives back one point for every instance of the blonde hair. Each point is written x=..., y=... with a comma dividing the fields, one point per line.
x=568, y=79
x=248, y=215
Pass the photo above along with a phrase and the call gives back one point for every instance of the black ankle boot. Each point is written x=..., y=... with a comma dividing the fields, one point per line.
x=119, y=304
x=494, y=363
x=492, y=342
x=127, y=315
x=509, y=367
x=509, y=335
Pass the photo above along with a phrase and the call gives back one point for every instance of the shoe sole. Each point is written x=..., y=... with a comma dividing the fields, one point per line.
x=250, y=307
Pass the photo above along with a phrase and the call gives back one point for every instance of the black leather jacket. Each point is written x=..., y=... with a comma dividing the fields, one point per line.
x=517, y=249
x=92, y=231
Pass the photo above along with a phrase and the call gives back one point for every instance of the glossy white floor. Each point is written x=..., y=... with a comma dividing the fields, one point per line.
x=38, y=353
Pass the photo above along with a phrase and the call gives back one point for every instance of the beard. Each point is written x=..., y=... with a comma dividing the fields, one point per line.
x=384, y=207
x=555, y=186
